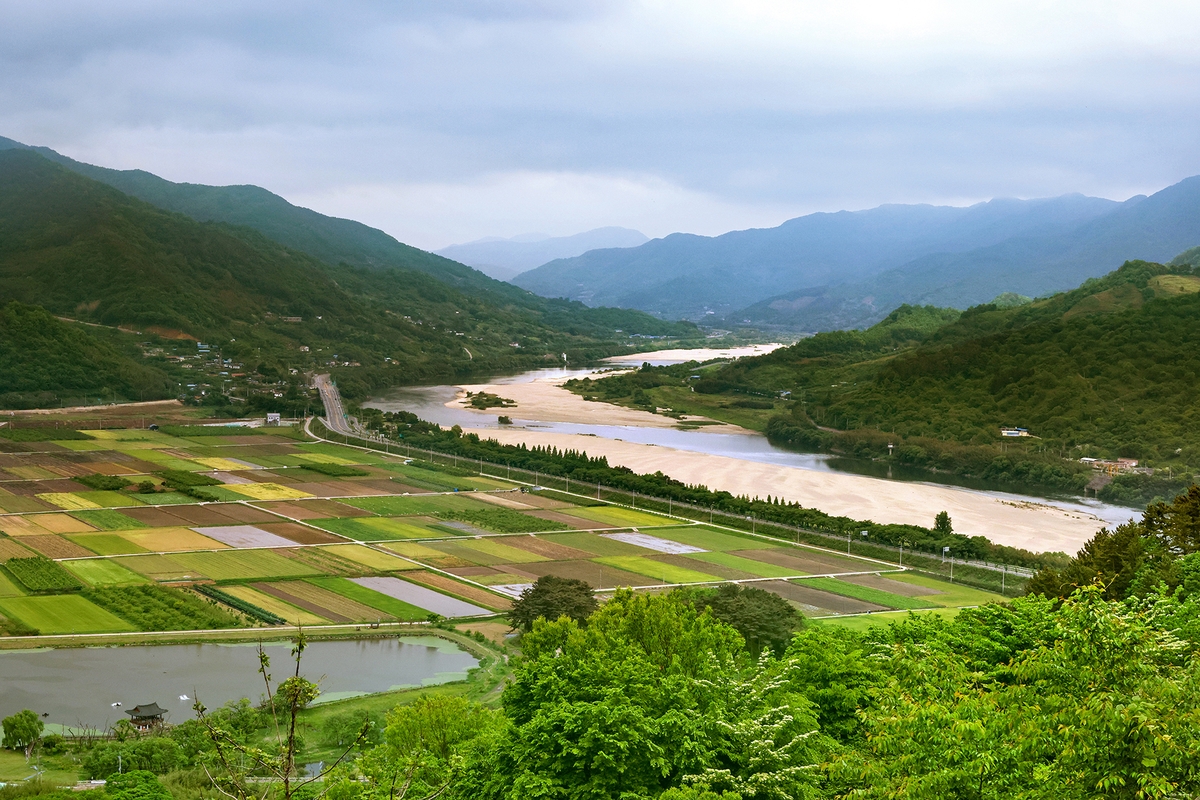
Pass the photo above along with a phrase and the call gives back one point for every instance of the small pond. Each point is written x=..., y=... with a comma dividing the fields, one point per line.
x=78, y=687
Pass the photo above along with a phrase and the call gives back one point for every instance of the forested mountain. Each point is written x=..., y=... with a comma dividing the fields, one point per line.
x=506, y=258
x=1106, y=370
x=84, y=250
x=850, y=269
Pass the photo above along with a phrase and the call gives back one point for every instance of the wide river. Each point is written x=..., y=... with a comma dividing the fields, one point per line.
x=429, y=403
x=80, y=687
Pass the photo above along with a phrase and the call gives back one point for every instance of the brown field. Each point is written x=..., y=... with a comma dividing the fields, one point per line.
x=404, y=488
x=552, y=551
x=314, y=509
x=300, y=534
x=496, y=632
x=595, y=575
x=335, y=489
x=61, y=523
x=816, y=600
x=204, y=516
x=566, y=520
x=474, y=572
x=171, y=540
x=322, y=601
x=451, y=586
x=805, y=562
x=113, y=468
x=53, y=546
x=247, y=514
x=19, y=526
x=13, y=503
x=154, y=517
x=889, y=585
x=504, y=500
x=10, y=549
x=276, y=606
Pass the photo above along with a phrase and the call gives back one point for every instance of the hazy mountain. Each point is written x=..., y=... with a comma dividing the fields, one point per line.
x=1151, y=228
x=688, y=275
x=506, y=258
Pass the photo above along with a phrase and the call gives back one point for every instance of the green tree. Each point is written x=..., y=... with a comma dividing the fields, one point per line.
x=764, y=620
x=22, y=731
x=552, y=597
x=136, y=785
x=941, y=524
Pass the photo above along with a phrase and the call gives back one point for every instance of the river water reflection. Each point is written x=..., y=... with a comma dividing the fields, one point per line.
x=78, y=687
x=429, y=403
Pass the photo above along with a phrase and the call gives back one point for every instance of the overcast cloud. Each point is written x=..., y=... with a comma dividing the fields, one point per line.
x=448, y=121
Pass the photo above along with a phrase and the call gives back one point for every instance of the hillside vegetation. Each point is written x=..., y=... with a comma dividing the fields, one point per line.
x=1106, y=370
x=83, y=250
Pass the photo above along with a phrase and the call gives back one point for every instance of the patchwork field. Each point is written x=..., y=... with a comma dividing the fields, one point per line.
x=315, y=533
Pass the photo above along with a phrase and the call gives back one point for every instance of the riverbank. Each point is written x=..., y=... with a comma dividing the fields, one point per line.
x=1030, y=525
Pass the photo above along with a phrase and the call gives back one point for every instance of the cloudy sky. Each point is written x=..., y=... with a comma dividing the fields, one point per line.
x=449, y=120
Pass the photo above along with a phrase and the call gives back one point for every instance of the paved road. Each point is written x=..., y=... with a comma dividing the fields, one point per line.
x=335, y=414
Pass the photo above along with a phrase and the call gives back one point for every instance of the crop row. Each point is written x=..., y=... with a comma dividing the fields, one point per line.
x=249, y=609
x=40, y=574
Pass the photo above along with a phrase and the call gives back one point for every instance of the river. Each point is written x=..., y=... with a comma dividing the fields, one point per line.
x=78, y=687
x=429, y=403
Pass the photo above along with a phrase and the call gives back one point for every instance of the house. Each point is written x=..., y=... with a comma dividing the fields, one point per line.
x=147, y=716
x=1014, y=432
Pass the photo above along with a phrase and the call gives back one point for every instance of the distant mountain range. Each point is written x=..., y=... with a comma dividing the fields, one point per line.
x=850, y=269
x=504, y=259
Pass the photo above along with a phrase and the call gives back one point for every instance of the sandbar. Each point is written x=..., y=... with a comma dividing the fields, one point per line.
x=1033, y=526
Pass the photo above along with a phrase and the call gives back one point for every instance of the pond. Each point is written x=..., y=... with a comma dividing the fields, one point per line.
x=80, y=687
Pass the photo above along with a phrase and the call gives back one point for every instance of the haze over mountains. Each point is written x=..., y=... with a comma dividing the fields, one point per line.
x=849, y=269
x=504, y=259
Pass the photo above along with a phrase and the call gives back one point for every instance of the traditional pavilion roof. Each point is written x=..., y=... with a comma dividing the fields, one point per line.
x=146, y=710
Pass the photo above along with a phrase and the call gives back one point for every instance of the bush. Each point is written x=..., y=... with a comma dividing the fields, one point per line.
x=40, y=574
x=336, y=470
x=156, y=608
x=156, y=754
x=106, y=483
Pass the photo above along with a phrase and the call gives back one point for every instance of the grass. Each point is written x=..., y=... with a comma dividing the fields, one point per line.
x=953, y=595
x=667, y=573
x=8, y=588
x=63, y=614
x=244, y=565
x=759, y=568
x=618, y=517
x=866, y=593
x=105, y=519
x=103, y=572
x=369, y=597
x=56, y=770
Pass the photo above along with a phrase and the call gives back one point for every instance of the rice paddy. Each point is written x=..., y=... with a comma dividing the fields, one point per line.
x=353, y=546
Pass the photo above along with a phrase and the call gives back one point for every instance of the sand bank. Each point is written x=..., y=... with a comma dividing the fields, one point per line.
x=697, y=354
x=547, y=401
x=1030, y=525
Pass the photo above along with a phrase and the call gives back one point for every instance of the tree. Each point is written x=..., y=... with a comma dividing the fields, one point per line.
x=941, y=524
x=552, y=597
x=764, y=620
x=136, y=785
x=22, y=731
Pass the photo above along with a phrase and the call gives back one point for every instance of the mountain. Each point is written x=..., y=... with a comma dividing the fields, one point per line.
x=1151, y=228
x=506, y=258
x=82, y=249
x=1108, y=369
x=330, y=239
x=689, y=275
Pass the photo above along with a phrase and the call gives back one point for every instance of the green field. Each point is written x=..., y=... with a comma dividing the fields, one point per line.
x=375, y=529
x=369, y=597
x=758, y=568
x=496, y=547
x=412, y=505
x=952, y=595
x=7, y=587
x=863, y=622
x=110, y=499
x=243, y=565
x=369, y=557
x=667, y=573
x=710, y=538
x=619, y=517
x=106, y=544
x=158, y=567
x=103, y=572
x=106, y=519
x=594, y=544
x=865, y=593
x=62, y=614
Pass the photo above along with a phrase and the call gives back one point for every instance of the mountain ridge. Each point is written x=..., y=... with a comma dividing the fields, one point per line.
x=504, y=259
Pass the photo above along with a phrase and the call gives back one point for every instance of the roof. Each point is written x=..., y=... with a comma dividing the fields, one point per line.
x=146, y=710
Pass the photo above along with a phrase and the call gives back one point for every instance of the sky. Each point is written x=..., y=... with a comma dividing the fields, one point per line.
x=448, y=121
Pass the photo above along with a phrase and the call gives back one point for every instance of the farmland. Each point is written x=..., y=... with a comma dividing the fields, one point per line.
x=256, y=529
